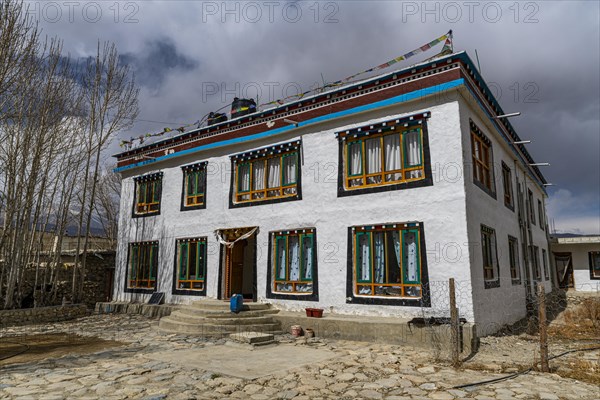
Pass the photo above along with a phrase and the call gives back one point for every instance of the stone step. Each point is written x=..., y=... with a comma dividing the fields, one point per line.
x=224, y=305
x=194, y=311
x=168, y=324
x=231, y=319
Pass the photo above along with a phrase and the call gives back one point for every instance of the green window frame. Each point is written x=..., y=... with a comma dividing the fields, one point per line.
x=389, y=270
x=148, y=195
x=191, y=264
x=143, y=265
x=195, y=186
x=284, y=259
x=393, y=167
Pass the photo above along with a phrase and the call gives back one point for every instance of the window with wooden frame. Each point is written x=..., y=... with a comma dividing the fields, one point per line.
x=387, y=261
x=270, y=174
x=545, y=264
x=293, y=265
x=490, y=257
x=507, y=186
x=190, y=266
x=541, y=214
x=594, y=257
x=148, y=190
x=535, y=262
x=531, y=206
x=513, y=259
x=194, y=186
x=142, y=265
x=481, y=153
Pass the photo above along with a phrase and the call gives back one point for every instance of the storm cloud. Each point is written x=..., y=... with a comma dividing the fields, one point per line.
x=192, y=57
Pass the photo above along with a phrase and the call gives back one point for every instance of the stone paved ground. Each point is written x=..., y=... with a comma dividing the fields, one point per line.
x=359, y=370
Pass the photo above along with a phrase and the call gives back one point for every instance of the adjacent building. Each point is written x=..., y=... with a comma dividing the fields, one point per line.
x=364, y=199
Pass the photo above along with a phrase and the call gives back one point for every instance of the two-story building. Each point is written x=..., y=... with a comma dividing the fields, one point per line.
x=364, y=199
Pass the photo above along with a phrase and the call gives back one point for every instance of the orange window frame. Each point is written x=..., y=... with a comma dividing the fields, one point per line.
x=284, y=190
x=481, y=161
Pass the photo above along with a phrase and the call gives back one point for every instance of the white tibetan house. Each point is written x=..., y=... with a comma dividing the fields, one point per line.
x=361, y=200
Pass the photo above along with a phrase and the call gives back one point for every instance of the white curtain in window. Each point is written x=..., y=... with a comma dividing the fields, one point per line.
x=274, y=177
x=289, y=169
x=396, y=240
x=373, y=149
x=294, y=249
x=258, y=175
x=364, y=251
x=413, y=148
x=379, y=257
x=281, y=262
x=410, y=244
x=355, y=151
x=308, y=256
x=244, y=178
x=392, y=160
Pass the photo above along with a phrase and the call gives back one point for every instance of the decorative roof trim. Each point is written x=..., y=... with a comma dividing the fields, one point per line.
x=195, y=167
x=267, y=151
x=149, y=177
x=390, y=125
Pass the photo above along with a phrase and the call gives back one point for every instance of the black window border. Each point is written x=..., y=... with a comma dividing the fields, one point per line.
x=495, y=283
x=531, y=208
x=280, y=296
x=592, y=277
x=518, y=281
x=540, y=210
x=298, y=195
x=419, y=119
x=424, y=301
x=141, y=290
x=184, y=169
x=473, y=128
x=510, y=206
x=188, y=292
x=148, y=177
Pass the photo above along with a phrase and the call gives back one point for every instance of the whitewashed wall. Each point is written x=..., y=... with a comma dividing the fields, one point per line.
x=440, y=207
x=494, y=307
x=581, y=264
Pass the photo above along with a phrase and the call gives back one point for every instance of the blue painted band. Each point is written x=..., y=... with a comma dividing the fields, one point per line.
x=383, y=103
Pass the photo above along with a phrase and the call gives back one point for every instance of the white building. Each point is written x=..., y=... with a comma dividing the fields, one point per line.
x=577, y=260
x=361, y=200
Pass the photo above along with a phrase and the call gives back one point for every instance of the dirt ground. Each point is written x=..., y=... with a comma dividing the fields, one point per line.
x=32, y=348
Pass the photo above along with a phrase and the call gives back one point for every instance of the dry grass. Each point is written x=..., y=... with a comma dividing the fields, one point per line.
x=581, y=322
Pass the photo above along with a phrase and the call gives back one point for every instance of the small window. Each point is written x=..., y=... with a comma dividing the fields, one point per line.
x=530, y=205
x=594, y=264
x=513, y=259
x=142, y=265
x=194, y=187
x=388, y=262
x=535, y=262
x=293, y=264
x=267, y=175
x=481, y=151
x=490, y=257
x=541, y=214
x=190, y=267
x=507, y=185
x=148, y=190
x=545, y=263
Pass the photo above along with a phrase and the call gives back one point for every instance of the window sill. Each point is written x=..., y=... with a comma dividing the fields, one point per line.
x=485, y=189
x=292, y=296
x=140, y=290
x=343, y=192
x=491, y=284
x=261, y=202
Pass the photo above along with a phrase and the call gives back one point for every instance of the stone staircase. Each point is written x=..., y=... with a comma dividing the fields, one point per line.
x=212, y=318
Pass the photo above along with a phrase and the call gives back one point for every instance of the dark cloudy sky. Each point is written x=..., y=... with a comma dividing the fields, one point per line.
x=192, y=57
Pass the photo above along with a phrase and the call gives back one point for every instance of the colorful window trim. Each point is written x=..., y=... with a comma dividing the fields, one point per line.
x=490, y=257
x=531, y=206
x=387, y=261
x=190, y=266
x=535, y=262
x=294, y=261
x=594, y=257
x=148, y=190
x=507, y=186
x=513, y=259
x=142, y=265
x=267, y=174
x=391, y=155
x=481, y=152
x=194, y=186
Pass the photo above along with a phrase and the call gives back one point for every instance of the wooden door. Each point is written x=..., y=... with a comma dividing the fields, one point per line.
x=236, y=268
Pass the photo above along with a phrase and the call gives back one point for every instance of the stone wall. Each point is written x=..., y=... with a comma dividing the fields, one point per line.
x=148, y=310
x=41, y=315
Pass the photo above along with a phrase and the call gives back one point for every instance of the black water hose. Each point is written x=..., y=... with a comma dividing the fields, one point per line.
x=503, y=378
x=18, y=353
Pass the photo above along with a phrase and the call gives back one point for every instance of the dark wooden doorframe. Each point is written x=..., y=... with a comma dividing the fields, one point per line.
x=227, y=270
